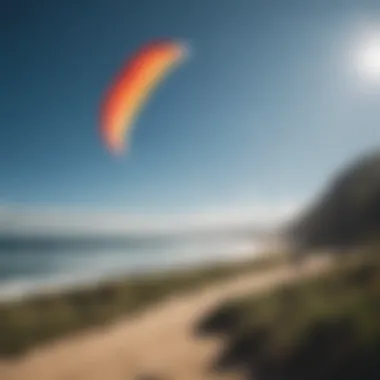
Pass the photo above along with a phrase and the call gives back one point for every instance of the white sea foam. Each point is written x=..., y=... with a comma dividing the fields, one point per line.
x=35, y=272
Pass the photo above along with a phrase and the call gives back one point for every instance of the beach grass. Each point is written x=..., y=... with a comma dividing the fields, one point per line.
x=39, y=319
x=320, y=328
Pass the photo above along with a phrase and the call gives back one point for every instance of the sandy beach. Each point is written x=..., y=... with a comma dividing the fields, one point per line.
x=159, y=341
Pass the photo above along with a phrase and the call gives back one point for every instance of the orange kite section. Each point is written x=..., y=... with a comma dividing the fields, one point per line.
x=132, y=87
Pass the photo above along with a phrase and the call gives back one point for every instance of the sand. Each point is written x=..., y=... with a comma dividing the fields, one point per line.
x=160, y=341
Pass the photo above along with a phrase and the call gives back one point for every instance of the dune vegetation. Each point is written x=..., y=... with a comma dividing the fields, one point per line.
x=40, y=319
x=322, y=328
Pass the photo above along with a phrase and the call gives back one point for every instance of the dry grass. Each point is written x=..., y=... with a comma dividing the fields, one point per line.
x=44, y=318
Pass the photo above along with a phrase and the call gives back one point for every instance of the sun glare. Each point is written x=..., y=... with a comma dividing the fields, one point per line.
x=369, y=60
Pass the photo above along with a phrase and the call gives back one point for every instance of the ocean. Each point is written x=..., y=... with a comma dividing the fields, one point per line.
x=30, y=266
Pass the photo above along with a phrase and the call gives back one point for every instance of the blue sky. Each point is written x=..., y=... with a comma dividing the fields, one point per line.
x=265, y=109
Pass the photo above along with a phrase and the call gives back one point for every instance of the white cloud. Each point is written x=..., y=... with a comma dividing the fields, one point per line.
x=63, y=220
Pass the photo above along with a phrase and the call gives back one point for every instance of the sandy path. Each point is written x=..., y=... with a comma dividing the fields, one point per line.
x=159, y=341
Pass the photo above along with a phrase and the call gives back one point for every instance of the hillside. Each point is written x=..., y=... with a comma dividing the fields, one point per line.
x=326, y=327
x=348, y=212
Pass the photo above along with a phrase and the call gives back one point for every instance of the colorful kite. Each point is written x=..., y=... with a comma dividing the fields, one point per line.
x=132, y=88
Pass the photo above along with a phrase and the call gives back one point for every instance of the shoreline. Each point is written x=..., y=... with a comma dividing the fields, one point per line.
x=27, y=323
x=22, y=288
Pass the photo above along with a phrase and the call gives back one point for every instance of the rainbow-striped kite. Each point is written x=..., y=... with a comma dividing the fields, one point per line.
x=132, y=87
